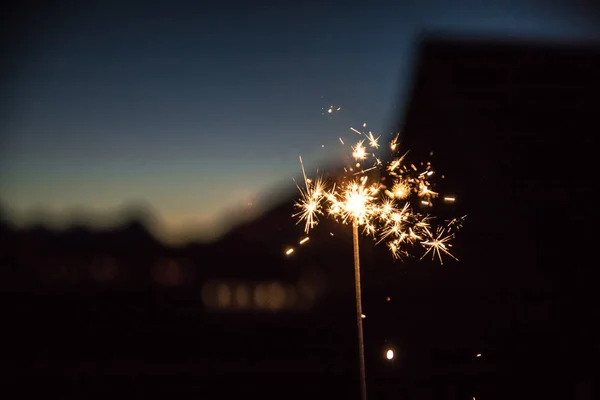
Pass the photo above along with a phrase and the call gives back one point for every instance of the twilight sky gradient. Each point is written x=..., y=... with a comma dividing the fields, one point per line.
x=197, y=109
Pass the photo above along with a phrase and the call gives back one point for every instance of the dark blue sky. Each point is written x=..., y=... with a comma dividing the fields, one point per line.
x=197, y=110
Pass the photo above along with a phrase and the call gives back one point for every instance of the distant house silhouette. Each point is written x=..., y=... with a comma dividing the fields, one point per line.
x=514, y=128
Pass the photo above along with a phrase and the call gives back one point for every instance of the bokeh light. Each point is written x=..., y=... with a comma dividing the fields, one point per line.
x=389, y=354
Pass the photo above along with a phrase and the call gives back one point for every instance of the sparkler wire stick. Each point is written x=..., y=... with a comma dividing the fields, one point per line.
x=359, y=324
x=383, y=209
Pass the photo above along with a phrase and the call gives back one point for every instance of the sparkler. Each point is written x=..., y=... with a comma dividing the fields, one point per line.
x=380, y=199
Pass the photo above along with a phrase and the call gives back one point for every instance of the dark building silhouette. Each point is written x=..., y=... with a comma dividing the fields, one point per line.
x=514, y=128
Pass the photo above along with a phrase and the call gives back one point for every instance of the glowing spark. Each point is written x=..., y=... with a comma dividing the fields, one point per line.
x=478, y=355
x=394, y=247
x=355, y=130
x=304, y=240
x=401, y=190
x=289, y=251
x=341, y=140
x=394, y=143
x=364, y=170
x=373, y=141
x=359, y=152
x=438, y=244
x=456, y=223
x=310, y=201
x=394, y=222
x=397, y=163
x=394, y=165
x=449, y=199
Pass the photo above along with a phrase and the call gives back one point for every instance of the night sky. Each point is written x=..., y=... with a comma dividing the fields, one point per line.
x=198, y=110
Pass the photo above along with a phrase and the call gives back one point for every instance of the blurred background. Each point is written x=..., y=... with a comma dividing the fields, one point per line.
x=147, y=157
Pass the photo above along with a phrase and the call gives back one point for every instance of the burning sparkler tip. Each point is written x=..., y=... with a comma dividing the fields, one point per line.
x=381, y=205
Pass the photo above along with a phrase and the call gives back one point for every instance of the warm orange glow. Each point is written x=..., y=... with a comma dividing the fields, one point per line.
x=223, y=295
x=265, y=296
x=242, y=296
x=289, y=251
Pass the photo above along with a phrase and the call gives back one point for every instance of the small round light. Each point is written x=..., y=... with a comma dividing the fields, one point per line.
x=389, y=354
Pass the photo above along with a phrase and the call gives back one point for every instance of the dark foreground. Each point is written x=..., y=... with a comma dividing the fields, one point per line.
x=117, y=349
